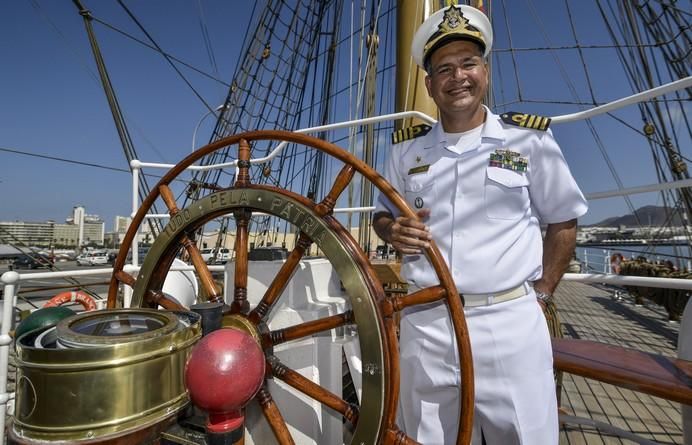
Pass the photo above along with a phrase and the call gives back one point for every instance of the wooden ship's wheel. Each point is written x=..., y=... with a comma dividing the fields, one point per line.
x=371, y=312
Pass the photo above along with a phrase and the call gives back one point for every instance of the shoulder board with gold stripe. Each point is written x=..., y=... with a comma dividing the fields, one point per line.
x=526, y=120
x=410, y=133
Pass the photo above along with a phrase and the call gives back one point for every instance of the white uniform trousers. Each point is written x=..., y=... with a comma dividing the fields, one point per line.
x=515, y=401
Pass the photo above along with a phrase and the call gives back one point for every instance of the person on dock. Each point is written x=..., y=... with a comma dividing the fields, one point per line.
x=481, y=185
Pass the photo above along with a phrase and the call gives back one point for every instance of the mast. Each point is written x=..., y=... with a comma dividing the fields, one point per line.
x=411, y=93
x=123, y=133
x=366, y=193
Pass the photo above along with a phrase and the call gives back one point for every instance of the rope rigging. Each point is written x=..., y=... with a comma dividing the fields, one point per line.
x=121, y=126
x=661, y=30
x=273, y=82
x=158, y=48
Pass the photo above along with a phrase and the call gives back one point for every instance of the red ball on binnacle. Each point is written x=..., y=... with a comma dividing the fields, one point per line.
x=224, y=372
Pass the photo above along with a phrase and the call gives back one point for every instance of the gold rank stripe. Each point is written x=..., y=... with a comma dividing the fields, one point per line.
x=420, y=169
x=526, y=120
x=410, y=133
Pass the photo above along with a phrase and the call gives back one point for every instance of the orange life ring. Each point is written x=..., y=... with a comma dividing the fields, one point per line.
x=72, y=296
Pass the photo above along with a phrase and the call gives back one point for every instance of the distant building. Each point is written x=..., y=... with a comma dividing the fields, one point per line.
x=78, y=213
x=79, y=230
x=19, y=233
x=115, y=238
x=66, y=235
x=94, y=231
x=91, y=228
x=121, y=224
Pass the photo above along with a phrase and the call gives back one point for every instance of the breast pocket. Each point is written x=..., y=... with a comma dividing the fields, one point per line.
x=419, y=191
x=506, y=193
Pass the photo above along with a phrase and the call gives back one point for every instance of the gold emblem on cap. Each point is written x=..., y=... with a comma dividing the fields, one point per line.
x=452, y=18
x=453, y=22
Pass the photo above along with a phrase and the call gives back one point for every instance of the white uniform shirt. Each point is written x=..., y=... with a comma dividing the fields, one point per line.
x=484, y=219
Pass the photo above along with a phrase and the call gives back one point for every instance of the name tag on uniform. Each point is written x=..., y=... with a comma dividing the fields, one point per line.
x=419, y=169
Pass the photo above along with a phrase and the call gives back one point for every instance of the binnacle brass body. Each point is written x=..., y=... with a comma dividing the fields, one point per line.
x=95, y=390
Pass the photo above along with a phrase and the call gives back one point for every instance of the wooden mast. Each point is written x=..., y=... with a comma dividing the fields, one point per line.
x=410, y=79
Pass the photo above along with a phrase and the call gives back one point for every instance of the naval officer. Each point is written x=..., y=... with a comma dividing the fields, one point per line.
x=482, y=184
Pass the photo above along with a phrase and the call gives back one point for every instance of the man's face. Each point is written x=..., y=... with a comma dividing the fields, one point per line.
x=458, y=78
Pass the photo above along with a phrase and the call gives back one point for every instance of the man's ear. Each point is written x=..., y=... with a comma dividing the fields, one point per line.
x=428, y=82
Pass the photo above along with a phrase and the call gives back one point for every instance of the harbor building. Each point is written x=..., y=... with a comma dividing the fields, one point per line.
x=80, y=229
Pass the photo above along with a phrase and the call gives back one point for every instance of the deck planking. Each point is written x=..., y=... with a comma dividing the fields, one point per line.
x=592, y=312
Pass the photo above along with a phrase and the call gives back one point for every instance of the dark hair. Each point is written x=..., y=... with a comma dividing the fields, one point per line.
x=427, y=65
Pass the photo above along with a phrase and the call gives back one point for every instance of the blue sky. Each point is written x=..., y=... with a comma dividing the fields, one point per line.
x=52, y=103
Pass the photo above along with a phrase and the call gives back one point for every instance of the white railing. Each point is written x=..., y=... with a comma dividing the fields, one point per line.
x=592, y=262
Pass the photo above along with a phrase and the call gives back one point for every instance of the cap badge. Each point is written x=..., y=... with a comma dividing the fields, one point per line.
x=452, y=19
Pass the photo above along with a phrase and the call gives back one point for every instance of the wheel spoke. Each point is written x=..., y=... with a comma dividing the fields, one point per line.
x=152, y=297
x=281, y=280
x=198, y=262
x=313, y=390
x=342, y=180
x=242, y=217
x=157, y=298
x=274, y=417
x=119, y=276
x=394, y=436
x=306, y=329
x=423, y=296
x=243, y=178
x=240, y=303
x=392, y=401
x=196, y=185
x=168, y=199
x=205, y=276
x=125, y=278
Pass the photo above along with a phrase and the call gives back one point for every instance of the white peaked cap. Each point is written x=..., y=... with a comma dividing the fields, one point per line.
x=456, y=22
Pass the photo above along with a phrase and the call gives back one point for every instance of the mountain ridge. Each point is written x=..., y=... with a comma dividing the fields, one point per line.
x=648, y=216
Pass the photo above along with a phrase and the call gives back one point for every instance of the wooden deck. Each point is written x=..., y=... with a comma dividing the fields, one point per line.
x=593, y=313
